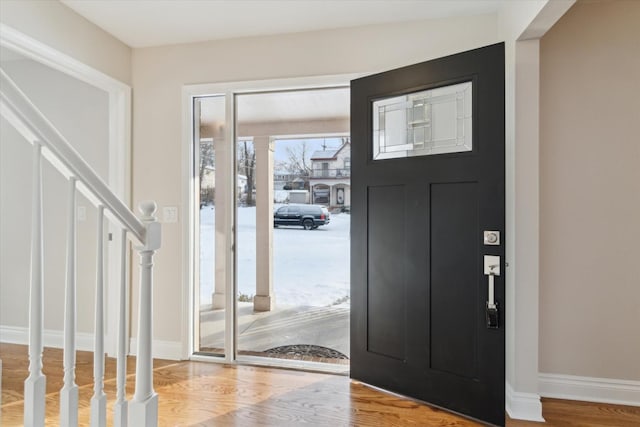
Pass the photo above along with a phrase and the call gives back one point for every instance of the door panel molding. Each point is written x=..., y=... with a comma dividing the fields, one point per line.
x=454, y=211
x=386, y=333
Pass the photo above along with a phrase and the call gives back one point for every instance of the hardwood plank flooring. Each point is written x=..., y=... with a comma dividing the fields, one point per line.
x=207, y=394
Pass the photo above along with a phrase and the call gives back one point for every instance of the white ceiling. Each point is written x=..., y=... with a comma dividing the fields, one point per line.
x=143, y=23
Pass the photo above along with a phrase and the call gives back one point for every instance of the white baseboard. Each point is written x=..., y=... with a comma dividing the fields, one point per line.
x=523, y=406
x=590, y=389
x=170, y=350
x=50, y=338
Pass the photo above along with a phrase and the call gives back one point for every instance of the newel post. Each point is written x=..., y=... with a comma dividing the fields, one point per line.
x=143, y=409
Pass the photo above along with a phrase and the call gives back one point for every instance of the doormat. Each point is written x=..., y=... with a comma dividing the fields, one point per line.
x=306, y=350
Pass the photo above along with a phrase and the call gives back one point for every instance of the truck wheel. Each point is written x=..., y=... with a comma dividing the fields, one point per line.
x=307, y=224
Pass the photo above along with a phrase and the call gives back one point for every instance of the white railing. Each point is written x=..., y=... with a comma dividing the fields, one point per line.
x=331, y=173
x=47, y=142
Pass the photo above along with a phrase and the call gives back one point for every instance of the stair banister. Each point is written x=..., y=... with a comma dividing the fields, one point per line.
x=49, y=143
x=38, y=125
x=69, y=392
x=35, y=384
x=120, y=407
x=99, y=398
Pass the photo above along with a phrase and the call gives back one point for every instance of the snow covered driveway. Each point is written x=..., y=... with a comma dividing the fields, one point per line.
x=311, y=268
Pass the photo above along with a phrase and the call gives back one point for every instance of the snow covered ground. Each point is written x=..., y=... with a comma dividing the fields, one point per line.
x=310, y=267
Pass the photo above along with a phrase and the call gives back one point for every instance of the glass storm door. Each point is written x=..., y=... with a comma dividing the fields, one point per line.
x=266, y=291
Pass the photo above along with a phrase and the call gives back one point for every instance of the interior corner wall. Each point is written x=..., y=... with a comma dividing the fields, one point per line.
x=590, y=193
x=159, y=75
x=515, y=18
x=54, y=24
x=526, y=199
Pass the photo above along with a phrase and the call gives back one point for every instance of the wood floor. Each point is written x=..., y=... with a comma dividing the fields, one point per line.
x=206, y=394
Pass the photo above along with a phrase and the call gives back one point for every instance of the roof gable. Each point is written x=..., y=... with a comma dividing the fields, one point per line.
x=324, y=155
x=329, y=154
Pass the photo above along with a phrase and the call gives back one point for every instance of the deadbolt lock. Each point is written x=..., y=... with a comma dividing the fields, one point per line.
x=491, y=238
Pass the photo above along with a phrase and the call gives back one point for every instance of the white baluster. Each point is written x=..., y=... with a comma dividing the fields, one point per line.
x=99, y=398
x=69, y=392
x=143, y=409
x=35, y=384
x=120, y=407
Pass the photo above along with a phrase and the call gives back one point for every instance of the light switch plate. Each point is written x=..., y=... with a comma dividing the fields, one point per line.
x=170, y=214
x=82, y=213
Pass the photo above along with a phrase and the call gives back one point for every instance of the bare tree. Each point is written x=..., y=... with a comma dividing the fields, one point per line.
x=280, y=165
x=207, y=165
x=298, y=159
x=247, y=167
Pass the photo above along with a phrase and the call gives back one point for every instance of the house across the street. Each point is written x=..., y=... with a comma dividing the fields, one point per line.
x=330, y=180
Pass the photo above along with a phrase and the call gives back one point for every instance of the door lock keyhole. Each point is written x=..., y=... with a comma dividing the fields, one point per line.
x=491, y=238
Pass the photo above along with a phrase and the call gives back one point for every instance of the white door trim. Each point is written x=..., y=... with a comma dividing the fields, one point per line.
x=229, y=90
x=119, y=142
x=522, y=97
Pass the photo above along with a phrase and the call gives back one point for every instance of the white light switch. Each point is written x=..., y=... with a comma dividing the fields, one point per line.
x=82, y=213
x=170, y=214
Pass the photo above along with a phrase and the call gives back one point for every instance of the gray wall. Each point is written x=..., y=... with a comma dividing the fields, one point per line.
x=590, y=192
x=80, y=112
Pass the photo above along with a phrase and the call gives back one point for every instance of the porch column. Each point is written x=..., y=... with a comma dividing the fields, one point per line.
x=332, y=196
x=264, y=298
x=222, y=176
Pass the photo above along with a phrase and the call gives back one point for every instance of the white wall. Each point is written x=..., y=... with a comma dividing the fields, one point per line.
x=517, y=21
x=81, y=113
x=160, y=73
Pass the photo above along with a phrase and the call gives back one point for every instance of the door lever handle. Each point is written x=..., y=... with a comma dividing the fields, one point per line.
x=492, y=269
x=491, y=300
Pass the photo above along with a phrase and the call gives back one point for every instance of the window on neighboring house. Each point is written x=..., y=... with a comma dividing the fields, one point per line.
x=347, y=162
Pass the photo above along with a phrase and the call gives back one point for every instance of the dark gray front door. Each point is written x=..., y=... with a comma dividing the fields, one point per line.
x=427, y=182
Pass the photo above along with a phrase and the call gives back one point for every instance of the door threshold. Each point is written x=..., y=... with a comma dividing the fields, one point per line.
x=296, y=365
x=271, y=362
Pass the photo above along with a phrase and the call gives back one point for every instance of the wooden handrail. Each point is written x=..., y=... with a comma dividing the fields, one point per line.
x=19, y=105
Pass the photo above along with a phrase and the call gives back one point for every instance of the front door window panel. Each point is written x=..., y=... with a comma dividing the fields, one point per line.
x=433, y=121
